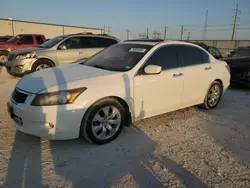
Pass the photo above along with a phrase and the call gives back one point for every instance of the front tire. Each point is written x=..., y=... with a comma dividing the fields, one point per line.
x=41, y=64
x=3, y=57
x=103, y=121
x=213, y=96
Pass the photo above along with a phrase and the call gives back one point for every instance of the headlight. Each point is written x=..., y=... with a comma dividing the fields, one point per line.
x=57, y=98
x=26, y=56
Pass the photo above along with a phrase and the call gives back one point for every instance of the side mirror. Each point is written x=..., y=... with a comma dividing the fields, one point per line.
x=152, y=69
x=62, y=47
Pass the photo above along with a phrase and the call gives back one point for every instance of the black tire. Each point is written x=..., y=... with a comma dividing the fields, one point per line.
x=40, y=62
x=3, y=53
x=86, y=130
x=206, y=104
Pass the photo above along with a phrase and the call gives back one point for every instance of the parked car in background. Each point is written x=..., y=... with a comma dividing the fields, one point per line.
x=126, y=82
x=57, y=51
x=211, y=49
x=5, y=38
x=239, y=62
x=19, y=42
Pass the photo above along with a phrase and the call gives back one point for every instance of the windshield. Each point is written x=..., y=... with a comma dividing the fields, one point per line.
x=52, y=42
x=119, y=57
x=14, y=39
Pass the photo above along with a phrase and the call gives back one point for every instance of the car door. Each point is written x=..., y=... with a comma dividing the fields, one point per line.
x=160, y=93
x=198, y=74
x=69, y=50
x=26, y=41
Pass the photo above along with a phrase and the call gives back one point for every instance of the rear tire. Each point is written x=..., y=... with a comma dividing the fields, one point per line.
x=102, y=126
x=213, y=96
x=41, y=64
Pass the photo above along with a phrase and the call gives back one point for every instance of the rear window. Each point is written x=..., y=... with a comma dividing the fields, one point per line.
x=39, y=39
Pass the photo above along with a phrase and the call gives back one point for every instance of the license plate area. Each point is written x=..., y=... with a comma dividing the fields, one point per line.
x=17, y=119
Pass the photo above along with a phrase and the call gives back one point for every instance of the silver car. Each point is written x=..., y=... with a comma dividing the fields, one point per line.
x=57, y=51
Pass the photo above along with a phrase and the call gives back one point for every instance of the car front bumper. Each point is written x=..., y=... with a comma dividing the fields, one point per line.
x=19, y=67
x=59, y=122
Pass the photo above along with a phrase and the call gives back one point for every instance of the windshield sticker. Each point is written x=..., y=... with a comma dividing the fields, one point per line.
x=141, y=50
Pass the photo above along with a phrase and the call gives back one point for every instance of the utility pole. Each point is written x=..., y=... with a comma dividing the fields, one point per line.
x=205, y=26
x=182, y=31
x=236, y=18
x=109, y=30
x=104, y=29
x=147, y=33
x=165, y=32
x=128, y=31
x=188, y=38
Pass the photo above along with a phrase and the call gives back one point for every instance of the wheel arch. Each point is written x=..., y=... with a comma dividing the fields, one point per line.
x=121, y=101
x=47, y=59
x=220, y=81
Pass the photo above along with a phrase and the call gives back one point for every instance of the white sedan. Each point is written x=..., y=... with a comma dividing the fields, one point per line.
x=124, y=83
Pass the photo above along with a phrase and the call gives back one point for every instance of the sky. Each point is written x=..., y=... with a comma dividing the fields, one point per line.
x=137, y=16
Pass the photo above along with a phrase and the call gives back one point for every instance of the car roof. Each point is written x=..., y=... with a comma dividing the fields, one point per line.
x=169, y=42
x=31, y=34
x=91, y=35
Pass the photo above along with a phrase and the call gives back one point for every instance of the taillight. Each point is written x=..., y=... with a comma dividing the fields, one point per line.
x=228, y=68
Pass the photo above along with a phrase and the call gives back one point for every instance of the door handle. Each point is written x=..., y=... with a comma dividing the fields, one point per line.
x=177, y=75
x=208, y=68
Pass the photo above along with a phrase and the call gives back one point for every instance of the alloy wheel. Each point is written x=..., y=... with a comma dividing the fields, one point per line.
x=214, y=95
x=3, y=58
x=42, y=66
x=106, y=122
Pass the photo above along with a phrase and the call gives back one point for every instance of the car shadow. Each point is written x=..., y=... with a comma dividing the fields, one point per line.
x=81, y=164
x=229, y=124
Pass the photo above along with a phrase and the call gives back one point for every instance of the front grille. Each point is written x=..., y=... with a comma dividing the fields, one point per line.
x=11, y=57
x=19, y=97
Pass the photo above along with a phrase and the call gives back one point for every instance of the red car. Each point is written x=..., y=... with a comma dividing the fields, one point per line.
x=18, y=42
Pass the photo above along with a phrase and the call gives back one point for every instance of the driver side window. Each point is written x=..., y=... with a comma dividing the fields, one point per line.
x=167, y=57
x=72, y=43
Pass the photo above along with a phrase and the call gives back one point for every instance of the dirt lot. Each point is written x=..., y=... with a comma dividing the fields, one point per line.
x=187, y=148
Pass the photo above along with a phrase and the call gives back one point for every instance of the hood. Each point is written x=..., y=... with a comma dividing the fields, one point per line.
x=26, y=50
x=44, y=79
x=5, y=45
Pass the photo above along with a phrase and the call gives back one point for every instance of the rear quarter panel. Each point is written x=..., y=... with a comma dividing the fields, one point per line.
x=221, y=73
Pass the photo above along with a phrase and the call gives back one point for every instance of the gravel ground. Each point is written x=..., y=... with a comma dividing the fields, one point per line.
x=187, y=148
